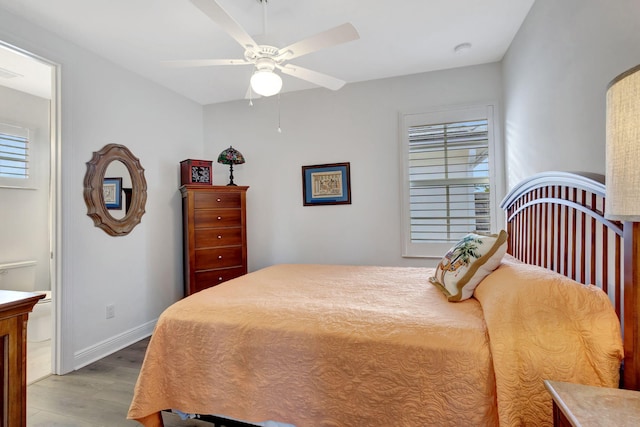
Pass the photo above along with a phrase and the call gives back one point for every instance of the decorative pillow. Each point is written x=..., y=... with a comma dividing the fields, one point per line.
x=468, y=262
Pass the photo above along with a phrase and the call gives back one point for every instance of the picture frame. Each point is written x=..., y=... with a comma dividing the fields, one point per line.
x=328, y=184
x=112, y=193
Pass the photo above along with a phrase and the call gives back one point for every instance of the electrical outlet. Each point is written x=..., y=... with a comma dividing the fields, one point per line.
x=111, y=311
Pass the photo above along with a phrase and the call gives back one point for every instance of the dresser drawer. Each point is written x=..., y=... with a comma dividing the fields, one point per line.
x=216, y=200
x=206, y=279
x=207, y=259
x=207, y=218
x=213, y=237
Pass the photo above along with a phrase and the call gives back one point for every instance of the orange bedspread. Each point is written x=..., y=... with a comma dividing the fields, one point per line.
x=544, y=326
x=319, y=345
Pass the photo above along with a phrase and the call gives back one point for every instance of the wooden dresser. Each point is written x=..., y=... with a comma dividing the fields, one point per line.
x=215, y=235
x=14, y=312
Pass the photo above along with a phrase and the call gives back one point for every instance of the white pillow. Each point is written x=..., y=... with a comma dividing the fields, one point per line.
x=468, y=262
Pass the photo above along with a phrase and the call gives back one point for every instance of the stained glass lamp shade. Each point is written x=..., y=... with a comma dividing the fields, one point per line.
x=231, y=157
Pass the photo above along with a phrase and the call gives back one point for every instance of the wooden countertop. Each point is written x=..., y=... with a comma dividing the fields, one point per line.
x=588, y=406
x=13, y=303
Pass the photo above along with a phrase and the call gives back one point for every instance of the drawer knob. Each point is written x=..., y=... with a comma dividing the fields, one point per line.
x=219, y=218
x=218, y=200
x=219, y=279
x=219, y=237
x=219, y=256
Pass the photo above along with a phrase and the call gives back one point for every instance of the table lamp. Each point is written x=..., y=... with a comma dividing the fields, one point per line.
x=231, y=157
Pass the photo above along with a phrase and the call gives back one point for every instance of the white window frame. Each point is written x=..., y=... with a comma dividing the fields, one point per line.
x=496, y=170
x=19, y=182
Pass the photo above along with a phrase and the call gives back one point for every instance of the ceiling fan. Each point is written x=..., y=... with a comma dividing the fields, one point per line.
x=266, y=59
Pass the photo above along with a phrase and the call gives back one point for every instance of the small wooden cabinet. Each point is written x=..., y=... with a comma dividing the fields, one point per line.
x=14, y=312
x=215, y=235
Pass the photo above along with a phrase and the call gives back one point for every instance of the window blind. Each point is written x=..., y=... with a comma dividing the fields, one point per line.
x=14, y=156
x=449, y=182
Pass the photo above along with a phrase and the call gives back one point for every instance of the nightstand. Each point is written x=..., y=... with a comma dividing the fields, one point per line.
x=586, y=406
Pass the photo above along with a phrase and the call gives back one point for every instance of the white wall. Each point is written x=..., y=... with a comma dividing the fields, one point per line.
x=358, y=124
x=141, y=274
x=556, y=74
x=24, y=213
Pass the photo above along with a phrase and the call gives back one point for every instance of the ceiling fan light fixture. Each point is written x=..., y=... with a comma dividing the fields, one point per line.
x=266, y=59
x=266, y=82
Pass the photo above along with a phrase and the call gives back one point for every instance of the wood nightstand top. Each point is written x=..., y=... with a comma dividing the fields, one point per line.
x=588, y=406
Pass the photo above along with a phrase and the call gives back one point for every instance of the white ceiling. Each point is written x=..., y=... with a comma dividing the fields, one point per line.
x=24, y=73
x=396, y=37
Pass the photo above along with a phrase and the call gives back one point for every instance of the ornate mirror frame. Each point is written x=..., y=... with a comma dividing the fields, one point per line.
x=93, y=195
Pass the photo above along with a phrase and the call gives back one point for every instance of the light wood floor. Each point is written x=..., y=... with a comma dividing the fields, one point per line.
x=96, y=395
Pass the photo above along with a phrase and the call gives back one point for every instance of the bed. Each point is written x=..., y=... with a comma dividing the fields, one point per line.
x=336, y=345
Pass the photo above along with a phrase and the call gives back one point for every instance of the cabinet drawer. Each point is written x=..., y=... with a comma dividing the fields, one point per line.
x=216, y=200
x=207, y=259
x=213, y=237
x=206, y=279
x=206, y=218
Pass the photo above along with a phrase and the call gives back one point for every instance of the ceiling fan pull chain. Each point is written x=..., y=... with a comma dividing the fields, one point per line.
x=279, y=128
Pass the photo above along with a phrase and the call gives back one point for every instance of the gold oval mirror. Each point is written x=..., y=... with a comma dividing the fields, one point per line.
x=123, y=195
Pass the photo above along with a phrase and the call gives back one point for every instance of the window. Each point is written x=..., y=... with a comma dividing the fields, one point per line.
x=448, y=185
x=14, y=155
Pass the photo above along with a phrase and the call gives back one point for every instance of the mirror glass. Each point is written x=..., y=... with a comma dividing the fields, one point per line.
x=115, y=190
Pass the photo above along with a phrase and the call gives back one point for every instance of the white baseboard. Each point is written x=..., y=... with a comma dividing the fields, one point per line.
x=105, y=348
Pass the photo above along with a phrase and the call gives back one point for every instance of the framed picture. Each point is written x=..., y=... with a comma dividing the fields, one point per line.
x=112, y=193
x=328, y=184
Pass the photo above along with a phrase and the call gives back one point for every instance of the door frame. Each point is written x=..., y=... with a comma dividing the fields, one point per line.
x=57, y=356
x=58, y=365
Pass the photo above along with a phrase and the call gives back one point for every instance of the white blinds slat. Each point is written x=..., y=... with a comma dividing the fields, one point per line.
x=14, y=156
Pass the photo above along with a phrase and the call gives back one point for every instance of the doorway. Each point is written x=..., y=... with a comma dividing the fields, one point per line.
x=29, y=159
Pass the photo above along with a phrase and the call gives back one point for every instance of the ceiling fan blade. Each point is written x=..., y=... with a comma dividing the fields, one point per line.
x=218, y=15
x=204, y=62
x=312, y=76
x=337, y=35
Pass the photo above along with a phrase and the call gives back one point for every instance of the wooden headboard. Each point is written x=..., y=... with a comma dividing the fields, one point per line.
x=556, y=220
